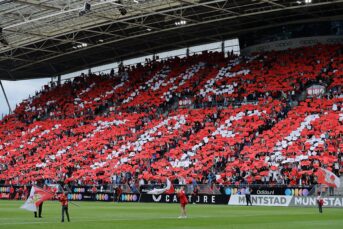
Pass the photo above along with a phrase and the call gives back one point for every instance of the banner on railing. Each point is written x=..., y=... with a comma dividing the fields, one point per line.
x=261, y=200
x=315, y=90
x=264, y=190
x=286, y=201
x=172, y=198
x=333, y=202
x=4, y=195
x=260, y=196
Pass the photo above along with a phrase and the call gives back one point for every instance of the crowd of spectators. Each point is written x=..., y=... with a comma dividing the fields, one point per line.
x=206, y=118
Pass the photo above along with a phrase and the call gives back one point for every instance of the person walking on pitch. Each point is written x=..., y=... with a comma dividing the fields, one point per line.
x=40, y=209
x=320, y=203
x=64, y=203
x=248, y=196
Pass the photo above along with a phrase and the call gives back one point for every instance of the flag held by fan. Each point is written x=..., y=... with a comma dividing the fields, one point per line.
x=37, y=196
x=328, y=178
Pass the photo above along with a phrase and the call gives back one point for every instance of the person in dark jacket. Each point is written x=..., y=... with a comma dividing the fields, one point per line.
x=40, y=209
x=119, y=191
x=64, y=203
x=248, y=196
x=195, y=194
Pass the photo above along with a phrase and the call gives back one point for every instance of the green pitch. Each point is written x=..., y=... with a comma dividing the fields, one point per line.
x=100, y=215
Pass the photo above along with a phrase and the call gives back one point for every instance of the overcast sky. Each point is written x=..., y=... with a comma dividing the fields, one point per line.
x=17, y=91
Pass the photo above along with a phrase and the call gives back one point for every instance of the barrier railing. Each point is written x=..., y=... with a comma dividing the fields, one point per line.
x=214, y=189
x=261, y=195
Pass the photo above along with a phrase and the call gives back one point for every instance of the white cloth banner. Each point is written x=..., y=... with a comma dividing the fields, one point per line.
x=29, y=204
x=158, y=191
x=261, y=200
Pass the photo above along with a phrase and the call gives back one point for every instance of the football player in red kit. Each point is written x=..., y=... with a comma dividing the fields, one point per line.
x=183, y=202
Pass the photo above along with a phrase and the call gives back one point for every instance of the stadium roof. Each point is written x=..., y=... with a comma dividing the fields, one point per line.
x=49, y=37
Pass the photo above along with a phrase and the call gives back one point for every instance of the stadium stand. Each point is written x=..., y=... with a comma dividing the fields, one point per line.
x=207, y=117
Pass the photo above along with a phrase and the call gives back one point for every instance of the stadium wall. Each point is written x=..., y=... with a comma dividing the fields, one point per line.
x=292, y=43
x=288, y=199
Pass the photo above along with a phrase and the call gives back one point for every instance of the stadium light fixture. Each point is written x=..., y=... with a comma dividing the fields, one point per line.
x=80, y=45
x=308, y=1
x=86, y=9
x=122, y=10
x=180, y=23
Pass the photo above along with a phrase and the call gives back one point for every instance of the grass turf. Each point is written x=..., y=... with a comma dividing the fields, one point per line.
x=101, y=215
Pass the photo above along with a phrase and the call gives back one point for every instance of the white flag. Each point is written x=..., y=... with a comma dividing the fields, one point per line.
x=30, y=203
x=328, y=178
x=158, y=191
x=37, y=196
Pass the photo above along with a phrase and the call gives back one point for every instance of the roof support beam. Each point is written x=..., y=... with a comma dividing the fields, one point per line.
x=4, y=58
x=274, y=3
x=187, y=25
x=8, y=104
x=37, y=4
x=196, y=3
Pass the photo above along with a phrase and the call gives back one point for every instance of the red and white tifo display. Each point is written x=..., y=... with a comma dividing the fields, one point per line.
x=208, y=118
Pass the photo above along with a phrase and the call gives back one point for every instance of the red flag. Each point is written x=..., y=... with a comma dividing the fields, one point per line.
x=37, y=196
x=171, y=190
x=41, y=195
x=328, y=178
